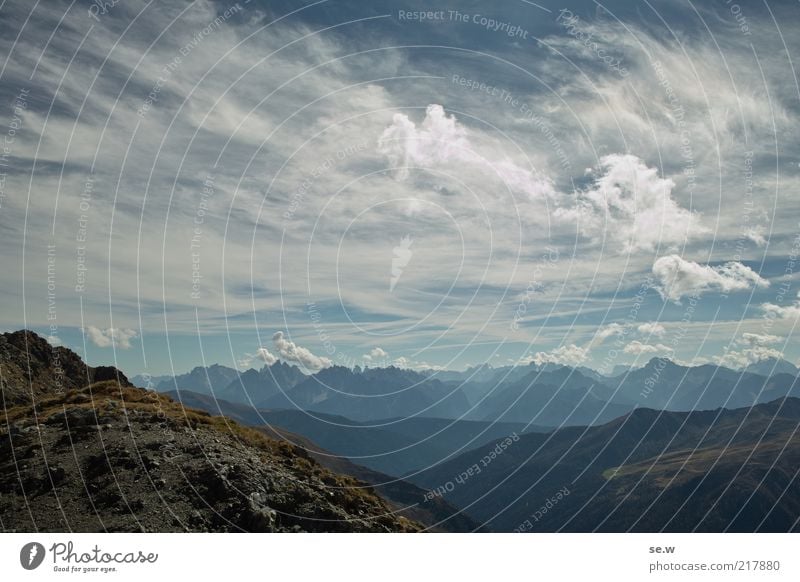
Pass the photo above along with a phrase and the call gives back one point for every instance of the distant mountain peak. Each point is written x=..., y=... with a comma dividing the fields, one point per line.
x=771, y=367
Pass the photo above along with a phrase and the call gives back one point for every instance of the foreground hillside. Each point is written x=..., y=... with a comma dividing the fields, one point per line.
x=721, y=470
x=110, y=457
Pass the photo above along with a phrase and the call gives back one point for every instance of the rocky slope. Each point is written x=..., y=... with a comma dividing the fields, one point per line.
x=406, y=498
x=30, y=367
x=110, y=457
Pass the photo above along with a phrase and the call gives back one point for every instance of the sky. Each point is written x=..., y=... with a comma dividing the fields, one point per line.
x=430, y=185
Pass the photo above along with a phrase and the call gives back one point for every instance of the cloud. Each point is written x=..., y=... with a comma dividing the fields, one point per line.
x=441, y=141
x=570, y=355
x=755, y=234
x=408, y=364
x=757, y=339
x=636, y=347
x=603, y=333
x=375, y=354
x=678, y=277
x=54, y=340
x=779, y=311
x=402, y=362
x=263, y=354
x=738, y=359
x=268, y=357
x=568, y=106
x=630, y=205
x=756, y=349
x=652, y=328
x=291, y=352
x=105, y=338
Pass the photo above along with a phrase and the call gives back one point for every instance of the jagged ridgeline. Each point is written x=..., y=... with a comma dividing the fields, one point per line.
x=82, y=449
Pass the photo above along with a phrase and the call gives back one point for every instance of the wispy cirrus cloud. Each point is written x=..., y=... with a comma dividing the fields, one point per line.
x=651, y=328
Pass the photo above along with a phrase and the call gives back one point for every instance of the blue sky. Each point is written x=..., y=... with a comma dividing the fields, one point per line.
x=494, y=182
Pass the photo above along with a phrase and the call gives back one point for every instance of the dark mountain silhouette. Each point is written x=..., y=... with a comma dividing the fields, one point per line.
x=772, y=367
x=664, y=384
x=546, y=395
x=403, y=496
x=649, y=470
x=397, y=448
x=373, y=394
x=256, y=387
x=205, y=380
x=561, y=396
x=483, y=373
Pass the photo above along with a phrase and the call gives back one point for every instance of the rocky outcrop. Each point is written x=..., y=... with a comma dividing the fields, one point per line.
x=31, y=367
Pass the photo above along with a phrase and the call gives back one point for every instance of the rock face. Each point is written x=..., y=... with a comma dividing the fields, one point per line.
x=109, y=457
x=30, y=367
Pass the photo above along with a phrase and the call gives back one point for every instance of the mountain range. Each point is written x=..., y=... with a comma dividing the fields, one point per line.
x=549, y=395
x=664, y=447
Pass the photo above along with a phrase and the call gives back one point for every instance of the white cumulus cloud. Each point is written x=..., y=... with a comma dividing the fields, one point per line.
x=105, y=338
x=630, y=205
x=268, y=357
x=262, y=354
x=408, y=364
x=440, y=140
x=782, y=311
x=755, y=349
x=289, y=351
x=678, y=277
x=375, y=354
x=570, y=355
